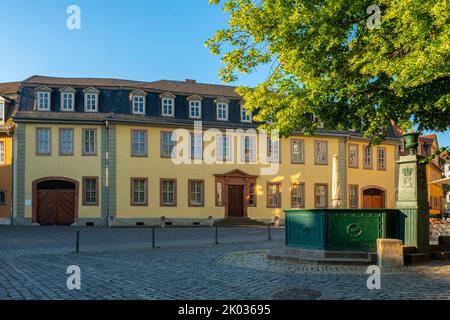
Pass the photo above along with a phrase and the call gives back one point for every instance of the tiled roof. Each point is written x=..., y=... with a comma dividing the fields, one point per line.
x=183, y=87
x=189, y=87
x=88, y=82
x=9, y=87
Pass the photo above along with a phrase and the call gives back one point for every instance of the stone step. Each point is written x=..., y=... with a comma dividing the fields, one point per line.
x=323, y=257
x=440, y=255
x=236, y=222
x=409, y=249
x=416, y=258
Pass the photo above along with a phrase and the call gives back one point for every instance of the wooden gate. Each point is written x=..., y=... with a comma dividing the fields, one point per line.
x=373, y=199
x=55, y=202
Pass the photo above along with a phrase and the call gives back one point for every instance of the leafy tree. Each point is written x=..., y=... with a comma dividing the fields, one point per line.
x=327, y=59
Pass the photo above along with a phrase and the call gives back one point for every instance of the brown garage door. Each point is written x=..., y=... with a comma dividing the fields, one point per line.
x=56, y=203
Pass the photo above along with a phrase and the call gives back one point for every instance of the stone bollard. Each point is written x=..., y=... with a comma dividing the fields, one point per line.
x=163, y=222
x=211, y=221
x=390, y=253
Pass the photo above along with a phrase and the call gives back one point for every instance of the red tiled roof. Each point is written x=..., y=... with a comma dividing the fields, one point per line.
x=9, y=87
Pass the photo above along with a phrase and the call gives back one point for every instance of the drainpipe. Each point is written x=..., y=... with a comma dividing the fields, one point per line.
x=107, y=174
x=11, y=197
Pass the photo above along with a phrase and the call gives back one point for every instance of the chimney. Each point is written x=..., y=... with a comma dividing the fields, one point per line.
x=190, y=80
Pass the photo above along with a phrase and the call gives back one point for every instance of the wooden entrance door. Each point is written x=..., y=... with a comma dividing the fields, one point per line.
x=373, y=199
x=56, y=201
x=235, y=201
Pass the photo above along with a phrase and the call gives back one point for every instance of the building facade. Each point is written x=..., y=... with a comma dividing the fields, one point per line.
x=97, y=151
x=8, y=95
x=447, y=195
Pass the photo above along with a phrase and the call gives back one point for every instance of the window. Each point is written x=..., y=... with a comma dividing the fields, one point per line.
x=66, y=142
x=273, y=150
x=139, y=190
x=251, y=195
x=43, y=101
x=91, y=99
x=167, y=104
x=195, y=109
x=43, y=141
x=167, y=144
x=223, y=148
x=381, y=164
x=196, y=146
x=321, y=152
x=67, y=99
x=273, y=195
x=168, y=192
x=89, y=142
x=2, y=152
x=2, y=198
x=139, y=104
x=2, y=112
x=298, y=195
x=222, y=111
x=353, y=156
x=353, y=196
x=196, y=193
x=248, y=149
x=90, y=191
x=297, y=151
x=320, y=195
x=138, y=143
x=219, y=194
x=367, y=157
x=246, y=116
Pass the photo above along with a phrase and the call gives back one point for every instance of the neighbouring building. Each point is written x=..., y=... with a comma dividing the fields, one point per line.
x=447, y=175
x=102, y=151
x=8, y=95
x=427, y=145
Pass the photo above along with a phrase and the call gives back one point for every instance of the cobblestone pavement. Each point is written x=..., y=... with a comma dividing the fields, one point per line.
x=120, y=264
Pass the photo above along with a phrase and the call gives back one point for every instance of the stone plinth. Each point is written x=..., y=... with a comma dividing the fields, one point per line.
x=390, y=253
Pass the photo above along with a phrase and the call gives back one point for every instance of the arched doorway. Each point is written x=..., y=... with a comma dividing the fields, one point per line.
x=374, y=198
x=55, y=201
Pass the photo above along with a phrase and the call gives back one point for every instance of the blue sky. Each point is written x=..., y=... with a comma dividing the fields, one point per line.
x=136, y=39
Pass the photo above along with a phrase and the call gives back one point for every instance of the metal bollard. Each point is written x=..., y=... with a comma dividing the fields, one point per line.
x=269, y=237
x=216, y=235
x=77, y=243
x=153, y=237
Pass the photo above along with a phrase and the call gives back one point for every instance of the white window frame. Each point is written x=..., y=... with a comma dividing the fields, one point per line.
x=225, y=106
x=136, y=101
x=141, y=95
x=2, y=112
x=222, y=146
x=191, y=108
x=90, y=92
x=67, y=91
x=251, y=146
x=38, y=100
x=2, y=152
x=40, y=152
x=274, y=156
x=246, y=116
x=167, y=96
x=196, y=147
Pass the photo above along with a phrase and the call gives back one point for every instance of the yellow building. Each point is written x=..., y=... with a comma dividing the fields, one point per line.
x=96, y=151
x=8, y=93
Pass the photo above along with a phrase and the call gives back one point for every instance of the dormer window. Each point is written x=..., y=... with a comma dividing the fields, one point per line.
x=67, y=99
x=222, y=109
x=91, y=100
x=43, y=98
x=195, y=106
x=2, y=112
x=167, y=104
x=246, y=116
x=138, y=101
